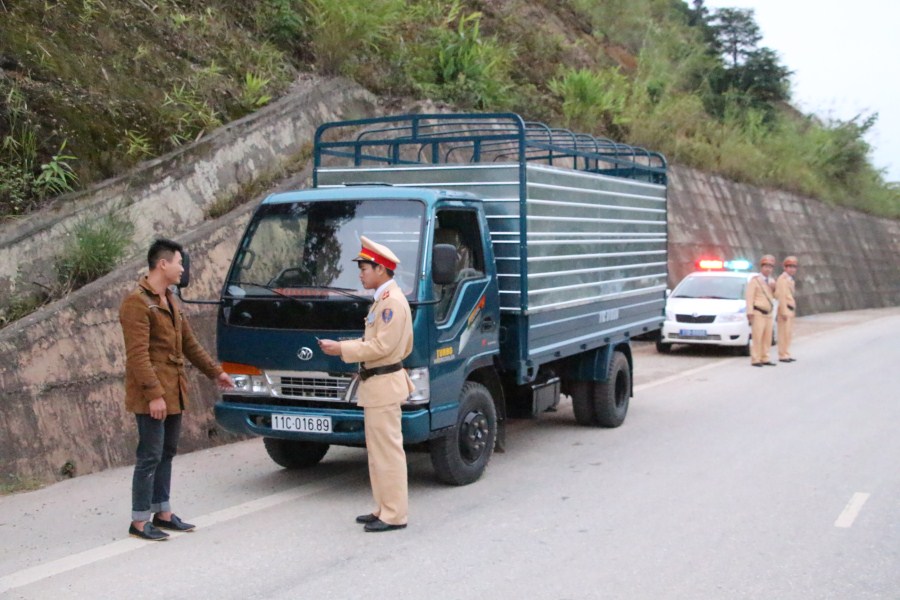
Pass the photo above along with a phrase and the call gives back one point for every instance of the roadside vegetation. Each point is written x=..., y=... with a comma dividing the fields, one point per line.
x=89, y=88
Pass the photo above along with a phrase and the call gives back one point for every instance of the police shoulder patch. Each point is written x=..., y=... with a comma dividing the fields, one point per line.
x=386, y=315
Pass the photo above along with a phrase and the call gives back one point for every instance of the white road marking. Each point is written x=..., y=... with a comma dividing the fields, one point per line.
x=851, y=511
x=87, y=557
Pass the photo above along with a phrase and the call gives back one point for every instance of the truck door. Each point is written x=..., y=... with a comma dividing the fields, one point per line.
x=466, y=314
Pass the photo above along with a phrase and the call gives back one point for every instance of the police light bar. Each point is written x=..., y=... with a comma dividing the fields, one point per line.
x=710, y=264
x=738, y=265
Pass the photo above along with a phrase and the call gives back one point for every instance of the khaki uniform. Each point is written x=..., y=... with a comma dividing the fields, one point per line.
x=787, y=309
x=760, y=304
x=388, y=340
x=157, y=341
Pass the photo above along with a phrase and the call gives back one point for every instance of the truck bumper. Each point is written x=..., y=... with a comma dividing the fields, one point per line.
x=347, y=425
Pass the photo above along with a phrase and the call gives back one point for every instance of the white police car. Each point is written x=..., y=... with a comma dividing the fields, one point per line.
x=709, y=308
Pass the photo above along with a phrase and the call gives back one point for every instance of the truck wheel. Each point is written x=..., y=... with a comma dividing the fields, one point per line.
x=663, y=348
x=611, y=396
x=583, y=403
x=292, y=454
x=460, y=457
x=603, y=404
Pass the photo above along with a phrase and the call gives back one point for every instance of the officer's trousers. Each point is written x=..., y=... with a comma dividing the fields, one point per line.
x=387, y=463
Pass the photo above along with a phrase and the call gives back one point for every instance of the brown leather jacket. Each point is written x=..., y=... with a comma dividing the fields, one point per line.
x=157, y=342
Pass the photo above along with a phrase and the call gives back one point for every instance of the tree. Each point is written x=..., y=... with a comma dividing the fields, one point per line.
x=762, y=77
x=736, y=33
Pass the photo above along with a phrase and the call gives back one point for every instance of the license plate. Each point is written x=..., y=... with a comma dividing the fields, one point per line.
x=692, y=333
x=301, y=423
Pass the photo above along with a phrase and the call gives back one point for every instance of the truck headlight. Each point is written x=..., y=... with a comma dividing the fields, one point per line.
x=420, y=379
x=250, y=384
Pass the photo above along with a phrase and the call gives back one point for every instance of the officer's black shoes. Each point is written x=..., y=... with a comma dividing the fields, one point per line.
x=770, y=364
x=149, y=532
x=787, y=360
x=756, y=364
x=379, y=525
x=369, y=518
x=175, y=524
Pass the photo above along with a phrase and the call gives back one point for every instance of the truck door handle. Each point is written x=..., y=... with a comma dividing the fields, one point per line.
x=487, y=324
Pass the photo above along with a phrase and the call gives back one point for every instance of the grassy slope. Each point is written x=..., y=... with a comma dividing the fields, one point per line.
x=122, y=80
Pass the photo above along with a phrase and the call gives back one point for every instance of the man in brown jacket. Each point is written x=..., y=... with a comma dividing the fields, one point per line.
x=760, y=312
x=385, y=384
x=787, y=309
x=158, y=339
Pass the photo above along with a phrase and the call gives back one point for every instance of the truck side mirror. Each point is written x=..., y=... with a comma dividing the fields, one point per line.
x=186, y=274
x=443, y=264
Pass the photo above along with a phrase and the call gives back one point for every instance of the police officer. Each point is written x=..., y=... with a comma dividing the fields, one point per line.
x=787, y=308
x=760, y=308
x=384, y=385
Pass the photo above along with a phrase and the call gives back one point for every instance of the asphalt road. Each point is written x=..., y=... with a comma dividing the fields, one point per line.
x=725, y=481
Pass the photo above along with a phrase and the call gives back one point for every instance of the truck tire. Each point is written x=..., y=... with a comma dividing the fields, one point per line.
x=461, y=456
x=583, y=403
x=603, y=403
x=611, y=397
x=293, y=454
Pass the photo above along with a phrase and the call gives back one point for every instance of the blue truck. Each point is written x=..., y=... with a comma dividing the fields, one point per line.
x=530, y=257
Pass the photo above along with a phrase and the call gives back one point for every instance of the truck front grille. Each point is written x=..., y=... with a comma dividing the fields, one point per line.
x=312, y=388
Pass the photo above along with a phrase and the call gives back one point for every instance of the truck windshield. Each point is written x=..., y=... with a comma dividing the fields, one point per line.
x=306, y=249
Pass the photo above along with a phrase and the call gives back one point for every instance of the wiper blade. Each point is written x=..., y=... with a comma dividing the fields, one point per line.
x=345, y=291
x=277, y=290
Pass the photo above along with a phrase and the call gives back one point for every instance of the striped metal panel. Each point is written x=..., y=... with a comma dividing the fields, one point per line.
x=590, y=239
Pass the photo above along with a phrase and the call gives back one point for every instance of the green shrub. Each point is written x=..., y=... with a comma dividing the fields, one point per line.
x=594, y=101
x=345, y=32
x=92, y=249
x=462, y=67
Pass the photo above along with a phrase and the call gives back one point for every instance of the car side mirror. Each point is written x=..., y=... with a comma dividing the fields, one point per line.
x=443, y=264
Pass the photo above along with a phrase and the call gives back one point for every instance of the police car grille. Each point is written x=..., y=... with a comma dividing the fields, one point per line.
x=313, y=388
x=695, y=319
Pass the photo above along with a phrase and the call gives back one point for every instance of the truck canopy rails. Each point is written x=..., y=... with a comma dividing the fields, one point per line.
x=478, y=138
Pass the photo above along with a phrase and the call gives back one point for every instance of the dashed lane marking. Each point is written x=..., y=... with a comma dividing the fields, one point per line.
x=851, y=511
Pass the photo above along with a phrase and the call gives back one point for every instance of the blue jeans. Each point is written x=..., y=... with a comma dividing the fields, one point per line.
x=157, y=445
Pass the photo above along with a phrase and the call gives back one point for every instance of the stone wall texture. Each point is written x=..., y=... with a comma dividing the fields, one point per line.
x=61, y=369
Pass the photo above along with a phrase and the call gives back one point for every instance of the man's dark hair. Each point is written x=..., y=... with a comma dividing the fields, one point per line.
x=162, y=248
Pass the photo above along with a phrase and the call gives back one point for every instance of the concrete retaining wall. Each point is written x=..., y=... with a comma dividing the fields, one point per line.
x=174, y=192
x=61, y=369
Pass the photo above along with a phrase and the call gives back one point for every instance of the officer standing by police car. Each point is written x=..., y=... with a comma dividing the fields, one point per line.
x=787, y=309
x=760, y=312
x=384, y=384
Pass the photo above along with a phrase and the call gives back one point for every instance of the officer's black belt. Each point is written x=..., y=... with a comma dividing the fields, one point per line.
x=765, y=312
x=365, y=373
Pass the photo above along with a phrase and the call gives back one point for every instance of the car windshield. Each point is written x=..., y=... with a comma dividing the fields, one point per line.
x=720, y=288
x=307, y=248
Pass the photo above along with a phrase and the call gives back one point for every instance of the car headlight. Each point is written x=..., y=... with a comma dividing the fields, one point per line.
x=731, y=317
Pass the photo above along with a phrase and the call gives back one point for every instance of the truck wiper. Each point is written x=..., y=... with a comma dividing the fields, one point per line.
x=345, y=291
x=277, y=292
